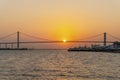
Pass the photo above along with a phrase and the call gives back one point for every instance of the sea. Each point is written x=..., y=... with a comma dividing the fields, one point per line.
x=58, y=65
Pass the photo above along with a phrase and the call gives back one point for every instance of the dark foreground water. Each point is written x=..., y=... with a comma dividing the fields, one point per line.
x=58, y=65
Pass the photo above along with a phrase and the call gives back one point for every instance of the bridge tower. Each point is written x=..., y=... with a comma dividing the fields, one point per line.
x=105, y=38
x=18, y=40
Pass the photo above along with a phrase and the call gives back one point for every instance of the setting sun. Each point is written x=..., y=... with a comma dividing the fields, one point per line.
x=64, y=41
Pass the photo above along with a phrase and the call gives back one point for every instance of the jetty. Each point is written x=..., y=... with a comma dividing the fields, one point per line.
x=115, y=47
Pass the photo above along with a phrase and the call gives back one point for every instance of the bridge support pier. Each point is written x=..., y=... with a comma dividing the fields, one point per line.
x=6, y=45
x=105, y=35
x=18, y=40
x=11, y=46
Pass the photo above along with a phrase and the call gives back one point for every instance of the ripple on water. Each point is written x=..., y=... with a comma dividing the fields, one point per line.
x=58, y=65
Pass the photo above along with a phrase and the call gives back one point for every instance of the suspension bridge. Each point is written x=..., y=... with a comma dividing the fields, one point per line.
x=18, y=41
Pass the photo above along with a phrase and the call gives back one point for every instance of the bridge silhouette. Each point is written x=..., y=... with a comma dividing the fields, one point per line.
x=18, y=41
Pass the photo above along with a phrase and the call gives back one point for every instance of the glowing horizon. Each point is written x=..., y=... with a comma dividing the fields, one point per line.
x=60, y=19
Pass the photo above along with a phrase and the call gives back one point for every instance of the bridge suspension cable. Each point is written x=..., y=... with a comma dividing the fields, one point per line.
x=91, y=37
x=114, y=37
x=4, y=37
x=34, y=37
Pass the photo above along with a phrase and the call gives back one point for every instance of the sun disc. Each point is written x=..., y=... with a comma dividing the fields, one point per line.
x=64, y=41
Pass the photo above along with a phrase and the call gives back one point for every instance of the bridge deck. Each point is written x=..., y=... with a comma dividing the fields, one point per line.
x=56, y=42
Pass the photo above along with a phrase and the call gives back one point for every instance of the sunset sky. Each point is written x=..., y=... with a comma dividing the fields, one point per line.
x=60, y=19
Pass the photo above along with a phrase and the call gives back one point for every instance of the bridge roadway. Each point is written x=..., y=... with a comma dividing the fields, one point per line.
x=31, y=42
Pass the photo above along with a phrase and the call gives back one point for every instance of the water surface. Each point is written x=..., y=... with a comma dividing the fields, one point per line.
x=58, y=65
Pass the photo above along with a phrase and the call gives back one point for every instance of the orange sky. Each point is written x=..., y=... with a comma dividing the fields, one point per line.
x=60, y=19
